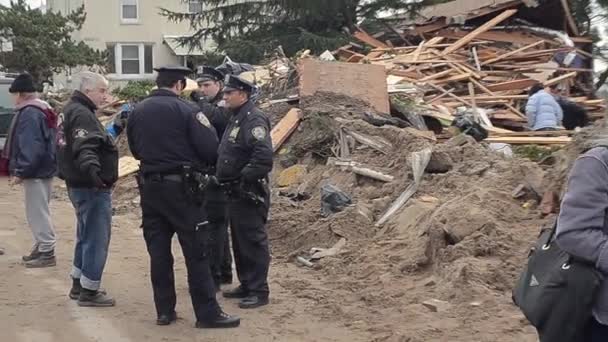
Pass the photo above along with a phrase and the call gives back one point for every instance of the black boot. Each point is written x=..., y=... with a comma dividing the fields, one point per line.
x=254, y=301
x=237, y=292
x=34, y=254
x=222, y=320
x=44, y=259
x=95, y=298
x=76, y=288
x=166, y=319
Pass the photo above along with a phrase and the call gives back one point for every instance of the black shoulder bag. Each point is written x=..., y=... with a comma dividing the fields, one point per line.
x=556, y=292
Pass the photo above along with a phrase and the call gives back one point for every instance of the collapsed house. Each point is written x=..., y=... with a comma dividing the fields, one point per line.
x=484, y=55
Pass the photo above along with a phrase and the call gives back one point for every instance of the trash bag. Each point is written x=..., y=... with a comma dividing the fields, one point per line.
x=230, y=67
x=467, y=124
x=333, y=200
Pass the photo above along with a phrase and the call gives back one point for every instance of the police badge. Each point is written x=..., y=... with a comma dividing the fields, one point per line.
x=202, y=118
x=259, y=133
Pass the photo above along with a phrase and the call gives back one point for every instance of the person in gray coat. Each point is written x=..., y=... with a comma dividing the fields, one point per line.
x=582, y=228
x=30, y=149
x=542, y=110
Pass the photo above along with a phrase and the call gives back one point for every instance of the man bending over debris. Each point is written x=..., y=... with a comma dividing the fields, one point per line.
x=88, y=161
x=244, y=162
x=542, y=110
x=31, y=154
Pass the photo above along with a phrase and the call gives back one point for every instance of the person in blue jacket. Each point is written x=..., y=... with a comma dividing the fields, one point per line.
x=30, y=149
x=542, y=110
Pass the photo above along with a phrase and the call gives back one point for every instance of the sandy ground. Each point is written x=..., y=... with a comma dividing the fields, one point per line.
x=34, y=305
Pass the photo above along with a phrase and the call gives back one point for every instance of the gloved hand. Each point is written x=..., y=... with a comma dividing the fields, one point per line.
x=96, y=178
x=197, y=96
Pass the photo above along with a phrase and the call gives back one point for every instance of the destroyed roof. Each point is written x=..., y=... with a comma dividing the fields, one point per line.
x=538, y=12
x=454, y=10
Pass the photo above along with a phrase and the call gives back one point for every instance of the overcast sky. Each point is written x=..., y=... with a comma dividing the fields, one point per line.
x=33, y=3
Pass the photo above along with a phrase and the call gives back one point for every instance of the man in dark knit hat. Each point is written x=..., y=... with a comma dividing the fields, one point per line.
x=30, y=150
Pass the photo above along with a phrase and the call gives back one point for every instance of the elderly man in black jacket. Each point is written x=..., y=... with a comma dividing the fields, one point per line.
x=88, y=161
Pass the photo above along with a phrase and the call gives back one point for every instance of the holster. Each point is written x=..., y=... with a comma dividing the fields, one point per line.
x=195, y=182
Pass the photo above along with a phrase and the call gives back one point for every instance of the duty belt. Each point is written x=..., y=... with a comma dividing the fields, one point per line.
x=157, y=177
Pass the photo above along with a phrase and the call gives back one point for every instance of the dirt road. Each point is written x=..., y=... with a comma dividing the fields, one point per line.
x=34, y=305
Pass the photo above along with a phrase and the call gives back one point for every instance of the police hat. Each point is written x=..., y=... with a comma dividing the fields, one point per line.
x=232, y=83
x=207, y=73
x=176, y=70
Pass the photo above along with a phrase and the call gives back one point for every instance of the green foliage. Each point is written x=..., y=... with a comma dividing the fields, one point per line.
x=134, y=90
x=249, y=30
x=535, y=153
x=208, y=58
x=42, y=42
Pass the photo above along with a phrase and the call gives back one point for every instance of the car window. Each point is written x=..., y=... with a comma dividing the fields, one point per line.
x=5, y=98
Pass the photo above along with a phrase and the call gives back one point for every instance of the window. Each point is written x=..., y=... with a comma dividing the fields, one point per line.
x=131, y=60
x=195, y=6
x=129, y=11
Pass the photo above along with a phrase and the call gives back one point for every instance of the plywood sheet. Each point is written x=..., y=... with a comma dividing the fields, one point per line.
x=288, y=124
x=363, y=81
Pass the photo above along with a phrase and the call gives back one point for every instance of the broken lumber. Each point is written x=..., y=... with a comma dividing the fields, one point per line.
x=559, y=79
x=530, y=140
x=481, y=29
x=419, y=161
x=514, y=52
x=367, y=39
x=127, y=165
x=513, y=85
x=288, y=124
x=356, y=168
x=559, y=133
x=376, y=144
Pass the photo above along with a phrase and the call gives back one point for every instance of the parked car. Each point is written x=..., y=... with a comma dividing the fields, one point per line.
x=6, y=109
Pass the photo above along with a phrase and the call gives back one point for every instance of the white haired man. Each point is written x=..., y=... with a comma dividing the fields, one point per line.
x=88, y=162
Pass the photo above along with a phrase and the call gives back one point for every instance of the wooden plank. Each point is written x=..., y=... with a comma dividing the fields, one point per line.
x=481, y=29
x=560, y=78
x=559, y=133
x=443, y=91
x=374, y=54
x=437, y=75
x=363, y=81
x=495, y=36
x=514, y=52
x=490, y=92
x=369, y=40
x=569, y=17
x=530, y=140
x=521, y=84
x=418, y=50
x=288, y=124
x=127, y=165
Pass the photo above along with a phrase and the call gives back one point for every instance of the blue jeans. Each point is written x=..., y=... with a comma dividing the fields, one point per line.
x=94, y=215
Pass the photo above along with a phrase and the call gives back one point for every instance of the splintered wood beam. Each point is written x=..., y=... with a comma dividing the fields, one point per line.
x=367, y=39
x=281, y=132
x=443, y=91
x=491, y=93
x=559, y=79
x=514, y=52
x=530, y=140
x=481, y=29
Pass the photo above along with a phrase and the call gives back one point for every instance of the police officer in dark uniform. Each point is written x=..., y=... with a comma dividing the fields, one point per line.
x=244, y=162
x=210, y=99
x=176, y=145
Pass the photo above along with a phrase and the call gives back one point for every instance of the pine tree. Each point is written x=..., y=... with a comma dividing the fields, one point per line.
x=588, y=14
x=247, y=29
x=42, y=42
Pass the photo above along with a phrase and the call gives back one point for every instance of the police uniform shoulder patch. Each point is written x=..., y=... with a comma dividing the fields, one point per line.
x=202, y=118
x=80, y=133
x=259, y=132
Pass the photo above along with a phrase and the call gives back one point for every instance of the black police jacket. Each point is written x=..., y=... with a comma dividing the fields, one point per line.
x=246, y=148
x=167, y=133
x=218, y=116
x=87, y=146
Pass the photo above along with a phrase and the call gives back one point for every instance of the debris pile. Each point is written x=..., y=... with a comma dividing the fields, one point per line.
x=484, y=56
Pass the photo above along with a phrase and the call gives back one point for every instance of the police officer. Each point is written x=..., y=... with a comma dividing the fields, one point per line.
x=210, y=99
x=244, y=162
x=175, y=143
